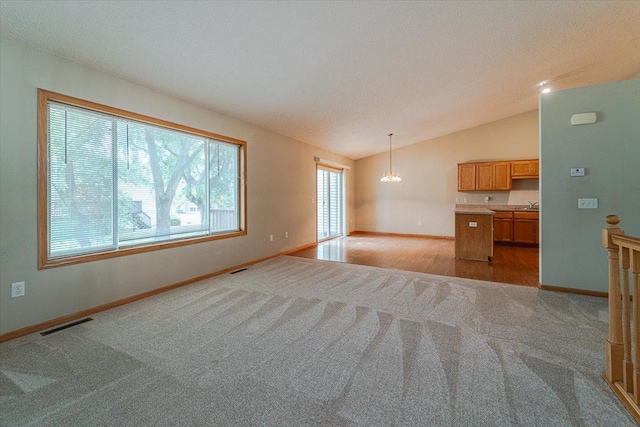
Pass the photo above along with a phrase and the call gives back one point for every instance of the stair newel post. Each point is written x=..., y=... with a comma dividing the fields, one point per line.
x=614, y=350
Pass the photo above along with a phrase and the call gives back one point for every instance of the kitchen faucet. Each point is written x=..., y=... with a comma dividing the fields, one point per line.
x=532, y=204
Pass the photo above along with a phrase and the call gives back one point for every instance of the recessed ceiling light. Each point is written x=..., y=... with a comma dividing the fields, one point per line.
x=545, y=89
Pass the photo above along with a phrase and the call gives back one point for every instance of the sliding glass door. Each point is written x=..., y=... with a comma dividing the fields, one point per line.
x=329, y=203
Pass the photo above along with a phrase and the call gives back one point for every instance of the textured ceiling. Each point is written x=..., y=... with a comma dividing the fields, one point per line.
x=342, y=75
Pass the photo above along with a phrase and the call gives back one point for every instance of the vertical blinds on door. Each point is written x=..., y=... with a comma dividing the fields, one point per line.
x=329, y=182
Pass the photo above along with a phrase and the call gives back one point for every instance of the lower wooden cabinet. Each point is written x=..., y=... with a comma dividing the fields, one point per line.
x=525, y=227
x=503, y=227
x=525, y=231
x=516, y=227
x=473, y=236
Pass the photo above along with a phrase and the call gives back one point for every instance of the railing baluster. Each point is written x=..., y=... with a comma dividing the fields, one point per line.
x=627, y=369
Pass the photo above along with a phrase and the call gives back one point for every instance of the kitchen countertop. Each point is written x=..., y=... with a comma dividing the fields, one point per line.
x=474, y=210
x=496, y=208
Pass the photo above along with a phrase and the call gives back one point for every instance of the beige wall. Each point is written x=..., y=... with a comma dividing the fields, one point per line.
x=423, y=202
x=280, y=185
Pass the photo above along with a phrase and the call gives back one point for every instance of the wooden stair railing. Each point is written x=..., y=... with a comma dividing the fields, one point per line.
x=622, y=372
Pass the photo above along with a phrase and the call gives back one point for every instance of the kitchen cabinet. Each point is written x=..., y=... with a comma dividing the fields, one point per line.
x=474, y=231
x=485, y=176
x=466, y=177
x=516, y=227
x=493, y=176
x=525, y=227
x=503, y=227
x=524, y=169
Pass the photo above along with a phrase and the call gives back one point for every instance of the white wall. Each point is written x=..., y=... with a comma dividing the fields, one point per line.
x=280, y=185
x=571, y=250
x=424, y=201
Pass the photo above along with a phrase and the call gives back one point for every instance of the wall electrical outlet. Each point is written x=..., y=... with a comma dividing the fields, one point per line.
x=271, y=237
x=587, y=203
x=17, y=289
x=286, y=234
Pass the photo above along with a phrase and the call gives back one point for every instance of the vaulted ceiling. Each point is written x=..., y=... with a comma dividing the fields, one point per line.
x=342, y=75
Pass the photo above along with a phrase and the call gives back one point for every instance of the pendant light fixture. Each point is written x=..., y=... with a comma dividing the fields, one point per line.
x=390, y=176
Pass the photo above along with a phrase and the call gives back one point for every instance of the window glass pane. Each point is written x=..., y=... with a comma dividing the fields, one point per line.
x=224, y=186
x=80, y=173
x=160, y=184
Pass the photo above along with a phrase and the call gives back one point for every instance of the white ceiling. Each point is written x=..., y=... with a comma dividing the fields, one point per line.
x=342, y=75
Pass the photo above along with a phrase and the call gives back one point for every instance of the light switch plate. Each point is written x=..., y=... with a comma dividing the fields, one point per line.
x=577, y=171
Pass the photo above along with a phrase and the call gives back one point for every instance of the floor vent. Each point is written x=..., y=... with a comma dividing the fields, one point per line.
x=68, y=325
x=238, y=271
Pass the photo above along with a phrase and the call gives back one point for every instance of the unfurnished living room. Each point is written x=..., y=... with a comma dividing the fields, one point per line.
x=298, y=213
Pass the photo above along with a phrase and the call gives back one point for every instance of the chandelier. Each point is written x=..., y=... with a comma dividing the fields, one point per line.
x=390, y=176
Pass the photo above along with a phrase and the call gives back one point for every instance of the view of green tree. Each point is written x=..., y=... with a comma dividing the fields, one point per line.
x=170, y=154
x=222, y=179
x=156, y=160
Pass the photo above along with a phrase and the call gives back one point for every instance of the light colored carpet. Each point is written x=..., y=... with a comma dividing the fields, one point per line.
x=296, y=341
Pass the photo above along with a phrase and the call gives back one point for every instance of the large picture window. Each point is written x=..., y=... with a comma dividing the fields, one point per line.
x=113, y=182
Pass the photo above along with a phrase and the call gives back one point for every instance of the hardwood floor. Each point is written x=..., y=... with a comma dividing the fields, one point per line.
x=510, y=264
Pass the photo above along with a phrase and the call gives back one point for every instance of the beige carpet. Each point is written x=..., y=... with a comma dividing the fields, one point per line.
x=296, y=341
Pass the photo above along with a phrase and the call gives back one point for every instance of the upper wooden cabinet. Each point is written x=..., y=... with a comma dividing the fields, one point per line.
x=466, y=177
x=486, y=176
x=521, y=169
x=495, y=176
